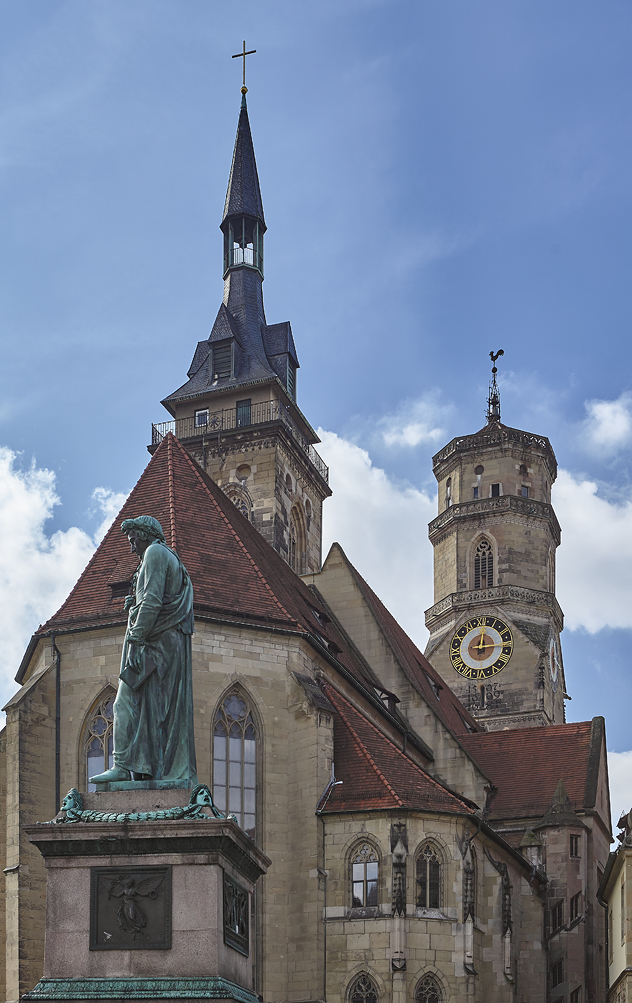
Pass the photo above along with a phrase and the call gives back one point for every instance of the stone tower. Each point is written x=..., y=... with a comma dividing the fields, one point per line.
x=237, y=414
x=495, y=624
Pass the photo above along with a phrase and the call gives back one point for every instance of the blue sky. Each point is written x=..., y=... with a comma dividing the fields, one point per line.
x=439, y=180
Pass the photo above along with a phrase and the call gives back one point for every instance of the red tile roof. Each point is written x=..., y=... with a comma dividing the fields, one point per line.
x=425, y=679
x=376, y=774
x=236, y=575
x=526, y=764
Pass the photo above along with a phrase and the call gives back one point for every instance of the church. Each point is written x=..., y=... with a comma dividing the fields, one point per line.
x=437, y=832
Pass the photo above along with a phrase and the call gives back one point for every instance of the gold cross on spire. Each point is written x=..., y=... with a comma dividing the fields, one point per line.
x=242, y=55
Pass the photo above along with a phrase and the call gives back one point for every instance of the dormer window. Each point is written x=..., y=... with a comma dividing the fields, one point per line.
x=221, y=361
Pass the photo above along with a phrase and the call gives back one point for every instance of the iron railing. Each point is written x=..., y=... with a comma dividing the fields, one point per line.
x=228, y=419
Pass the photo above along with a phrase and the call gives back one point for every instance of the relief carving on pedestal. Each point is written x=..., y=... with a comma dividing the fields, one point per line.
x=130, y=908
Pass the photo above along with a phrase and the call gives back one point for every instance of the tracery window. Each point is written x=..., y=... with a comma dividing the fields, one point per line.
x=98, y=738
x=428, y=873
x=363, y=990
x=296, y=543
x=364, y=875
x=428, y=990
x=484, y=566
x=234, y=760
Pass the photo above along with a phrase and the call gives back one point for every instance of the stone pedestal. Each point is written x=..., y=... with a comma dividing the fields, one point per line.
x=149, y=909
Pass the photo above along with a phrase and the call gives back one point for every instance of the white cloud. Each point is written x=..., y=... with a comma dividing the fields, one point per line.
x=608, y=424
x=620, y=777
x=37, y=571
x=414, y=422
x=593, y=581
x=383, y=528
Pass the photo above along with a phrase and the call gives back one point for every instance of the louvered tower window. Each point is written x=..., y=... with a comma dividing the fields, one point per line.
x=291, y=380
x=484, y=566
x=222, y=360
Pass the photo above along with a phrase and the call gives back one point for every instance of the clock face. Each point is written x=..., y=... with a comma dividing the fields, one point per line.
x=481, y=647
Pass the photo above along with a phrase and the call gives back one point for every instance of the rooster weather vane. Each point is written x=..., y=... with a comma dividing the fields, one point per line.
x=493, y=401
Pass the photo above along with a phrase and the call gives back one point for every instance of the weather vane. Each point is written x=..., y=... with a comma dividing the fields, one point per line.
x=242, y=55
x=493, y=401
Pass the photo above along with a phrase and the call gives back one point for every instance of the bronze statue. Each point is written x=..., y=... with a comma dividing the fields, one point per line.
x=153, y=710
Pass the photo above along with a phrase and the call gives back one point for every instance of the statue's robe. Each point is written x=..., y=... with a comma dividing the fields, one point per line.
x=153, y=725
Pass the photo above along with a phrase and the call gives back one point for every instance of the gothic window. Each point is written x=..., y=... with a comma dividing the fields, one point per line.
x=428, y=873
x=448, y=492
x=363, y=990
x=296, y=541
x=484, y=566
x=98, y=741
x=428, y=990
x=364, y=874
x=240, y=498
x=234, y=760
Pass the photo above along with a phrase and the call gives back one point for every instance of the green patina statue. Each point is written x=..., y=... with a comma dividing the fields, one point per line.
x=153, y=710
x=201, y=798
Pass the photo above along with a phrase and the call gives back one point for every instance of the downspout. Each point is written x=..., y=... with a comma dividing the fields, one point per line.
x=322, y=872
x=57, y=657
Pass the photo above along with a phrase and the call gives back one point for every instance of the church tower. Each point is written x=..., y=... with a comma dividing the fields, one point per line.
x=237, y=414
x=495, y=624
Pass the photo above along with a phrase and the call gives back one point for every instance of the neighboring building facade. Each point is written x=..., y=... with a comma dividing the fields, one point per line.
x=615, y=894
x=415, y=856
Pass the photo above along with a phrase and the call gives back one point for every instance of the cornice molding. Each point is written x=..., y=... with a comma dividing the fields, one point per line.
x=515, y=505
x=514, y=596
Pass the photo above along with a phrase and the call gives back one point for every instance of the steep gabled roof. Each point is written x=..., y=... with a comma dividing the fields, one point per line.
x=236, y=575
x=415, y=666
x=526, y=764
x=375, y=774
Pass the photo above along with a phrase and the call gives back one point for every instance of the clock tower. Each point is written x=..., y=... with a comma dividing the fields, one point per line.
x=495, y=624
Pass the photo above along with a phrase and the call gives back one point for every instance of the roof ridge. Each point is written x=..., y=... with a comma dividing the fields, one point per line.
x=172, y=501
x=232, y=529
x=364, y=751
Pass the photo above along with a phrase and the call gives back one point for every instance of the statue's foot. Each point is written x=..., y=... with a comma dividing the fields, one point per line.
x=142, y=776
x=113, y=776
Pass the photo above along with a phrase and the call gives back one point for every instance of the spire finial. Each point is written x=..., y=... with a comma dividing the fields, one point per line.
x=493, y=401
x=242, y=55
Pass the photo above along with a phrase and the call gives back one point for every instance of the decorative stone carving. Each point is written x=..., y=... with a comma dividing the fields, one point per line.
x=201, y=798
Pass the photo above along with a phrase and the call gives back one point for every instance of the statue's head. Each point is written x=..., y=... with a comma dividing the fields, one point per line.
x=201, y=795
x=72, y=801
x=143, y=530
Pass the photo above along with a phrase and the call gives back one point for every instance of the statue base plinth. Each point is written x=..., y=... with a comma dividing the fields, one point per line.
x=147, y=909
x=146, y=785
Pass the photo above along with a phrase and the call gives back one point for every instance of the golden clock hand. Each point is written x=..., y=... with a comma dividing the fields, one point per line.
x=480, y=643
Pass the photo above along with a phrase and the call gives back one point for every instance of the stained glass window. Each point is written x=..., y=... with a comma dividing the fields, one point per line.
x=98, y=742
x=364, y=873
x=428, y=878
x=428, y=990
x=363, y=990
x=234, y=760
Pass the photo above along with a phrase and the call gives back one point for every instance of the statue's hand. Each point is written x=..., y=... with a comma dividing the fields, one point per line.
x=134, y=657
x=129, y=602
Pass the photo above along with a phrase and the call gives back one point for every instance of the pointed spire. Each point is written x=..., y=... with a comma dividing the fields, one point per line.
x=243, y=195
x=560, y=811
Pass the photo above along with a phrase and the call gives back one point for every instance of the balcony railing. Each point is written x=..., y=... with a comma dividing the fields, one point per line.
x=245, y=416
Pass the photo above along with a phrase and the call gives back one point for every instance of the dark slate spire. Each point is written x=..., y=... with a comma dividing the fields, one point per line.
x=243, y=195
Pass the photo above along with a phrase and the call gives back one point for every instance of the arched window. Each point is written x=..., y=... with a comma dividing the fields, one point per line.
x=296, y=542
x=428, y=990
x=240, y=498
x=363, y=990
x=234, y=760
x=364, y=875
x=448, y=492
x=428, y=874
x=98, y=749
x=484, y=566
